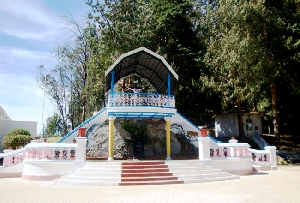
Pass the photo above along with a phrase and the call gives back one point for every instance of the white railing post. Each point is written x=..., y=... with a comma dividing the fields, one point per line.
x=204, y=148
x=80, y=152
x=272, y=152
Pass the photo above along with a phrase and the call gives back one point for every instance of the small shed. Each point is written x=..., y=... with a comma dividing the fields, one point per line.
x=227, y=124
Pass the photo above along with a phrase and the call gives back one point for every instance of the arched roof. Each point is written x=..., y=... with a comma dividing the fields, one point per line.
x=144, y=63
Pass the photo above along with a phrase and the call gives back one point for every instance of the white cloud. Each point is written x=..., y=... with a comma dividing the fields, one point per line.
x=22, y=99
x=29, y=31
x=15, y=60
x=29, y=20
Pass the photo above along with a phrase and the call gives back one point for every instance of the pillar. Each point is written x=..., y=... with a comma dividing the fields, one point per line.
x=80, y=152
x=272, y=151
x=81, y=148
x=111, y=138
x=168, y=137
x=204, y=148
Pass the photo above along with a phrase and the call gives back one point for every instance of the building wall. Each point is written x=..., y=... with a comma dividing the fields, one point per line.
x=227, y=124
x=9, y=125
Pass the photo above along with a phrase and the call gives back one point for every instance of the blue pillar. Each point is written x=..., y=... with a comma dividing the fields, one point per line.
x=112, y=82
x=169, y=84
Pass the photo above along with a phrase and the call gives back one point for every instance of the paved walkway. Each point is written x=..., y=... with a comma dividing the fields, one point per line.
x=277, y=186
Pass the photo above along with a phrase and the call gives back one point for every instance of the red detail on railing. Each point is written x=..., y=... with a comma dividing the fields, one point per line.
x=203, y=132
x=81, y=132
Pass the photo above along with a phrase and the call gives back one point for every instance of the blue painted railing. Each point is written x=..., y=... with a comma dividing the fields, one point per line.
x=259, y=140
x=188, y=120
x=81, y=125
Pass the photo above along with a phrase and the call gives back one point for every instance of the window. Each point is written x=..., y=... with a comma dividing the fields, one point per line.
x=249, y=124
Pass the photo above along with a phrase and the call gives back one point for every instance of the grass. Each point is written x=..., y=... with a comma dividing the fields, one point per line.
x=284, y=142
x=53, y=139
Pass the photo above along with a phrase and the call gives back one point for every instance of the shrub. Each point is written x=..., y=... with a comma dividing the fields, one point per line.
x=16, y=138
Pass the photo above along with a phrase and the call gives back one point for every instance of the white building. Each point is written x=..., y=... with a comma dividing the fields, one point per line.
x=6, y=125
x=227, y=124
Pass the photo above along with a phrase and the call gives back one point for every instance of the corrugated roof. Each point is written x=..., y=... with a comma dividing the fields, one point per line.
x=144, y=63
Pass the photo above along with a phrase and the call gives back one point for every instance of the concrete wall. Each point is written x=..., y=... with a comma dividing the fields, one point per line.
x=46, y=170
x=237, y=166
x=227, y=124
x=9, y=125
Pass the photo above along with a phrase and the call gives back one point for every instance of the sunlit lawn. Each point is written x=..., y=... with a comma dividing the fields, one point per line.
x=52, y=139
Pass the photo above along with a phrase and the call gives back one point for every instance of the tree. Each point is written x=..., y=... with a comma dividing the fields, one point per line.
x=16, y=138
x=73, y=85
x=232, y=54
x=176, y=39
x=281, y=32
x=124, y=25
x=53, y=126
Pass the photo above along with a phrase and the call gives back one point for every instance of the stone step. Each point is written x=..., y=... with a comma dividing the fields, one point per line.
x=158, y=182
x=144, y=173
x=146, y=179
x=155, y=166
x=98, y=170
x=84, y=182
x=136, y=163
x=89, y=178
x=94, y=174
x=144, y=170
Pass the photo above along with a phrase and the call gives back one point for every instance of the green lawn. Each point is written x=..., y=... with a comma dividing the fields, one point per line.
x=52, y=139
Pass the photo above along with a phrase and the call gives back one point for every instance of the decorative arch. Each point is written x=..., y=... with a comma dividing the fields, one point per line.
x=145, y=64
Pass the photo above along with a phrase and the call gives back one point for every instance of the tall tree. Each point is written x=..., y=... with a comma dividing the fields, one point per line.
x=73, y=83
x=124, y=25
x=176, y=39
x=232, y=55
x=280, y=26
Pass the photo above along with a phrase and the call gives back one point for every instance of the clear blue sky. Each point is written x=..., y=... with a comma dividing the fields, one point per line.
x=30, y=30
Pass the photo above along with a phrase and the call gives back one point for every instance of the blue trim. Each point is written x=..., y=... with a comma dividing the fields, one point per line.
x=81, y=125
x=188, y=120
x=169, y=83
x=112, y=81
x=148, y=115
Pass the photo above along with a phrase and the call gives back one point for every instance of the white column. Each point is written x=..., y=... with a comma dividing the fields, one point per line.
x=204, y=148
x=80, y=152
x=272, y=151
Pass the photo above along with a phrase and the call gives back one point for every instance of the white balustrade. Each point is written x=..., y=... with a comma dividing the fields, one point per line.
x=13, y=157
x=141, y=99
x=261, y=155
x=50, y=151
x=227, y=150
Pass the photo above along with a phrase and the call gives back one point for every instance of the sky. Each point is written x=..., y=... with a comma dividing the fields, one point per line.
x=30, y=31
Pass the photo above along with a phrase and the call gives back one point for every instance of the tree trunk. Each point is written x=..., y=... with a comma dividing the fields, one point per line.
x=274, y=109
x=240, y=121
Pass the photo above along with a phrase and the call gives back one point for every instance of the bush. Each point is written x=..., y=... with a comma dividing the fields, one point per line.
x=16, y=138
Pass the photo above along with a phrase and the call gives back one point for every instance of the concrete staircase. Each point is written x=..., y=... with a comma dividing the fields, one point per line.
x=124, y=173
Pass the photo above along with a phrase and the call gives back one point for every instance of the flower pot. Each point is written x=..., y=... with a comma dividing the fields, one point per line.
x=81, y=132
x=204, y=132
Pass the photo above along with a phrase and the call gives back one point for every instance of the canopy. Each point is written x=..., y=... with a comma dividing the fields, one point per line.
x=144, y=63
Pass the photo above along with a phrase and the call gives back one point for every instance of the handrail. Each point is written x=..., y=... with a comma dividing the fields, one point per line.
x=188, y=120
x=262, y=143
x=13, y=157
x=260, y=155
x=50, y=151
x=81, y=125
x=224, y=150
